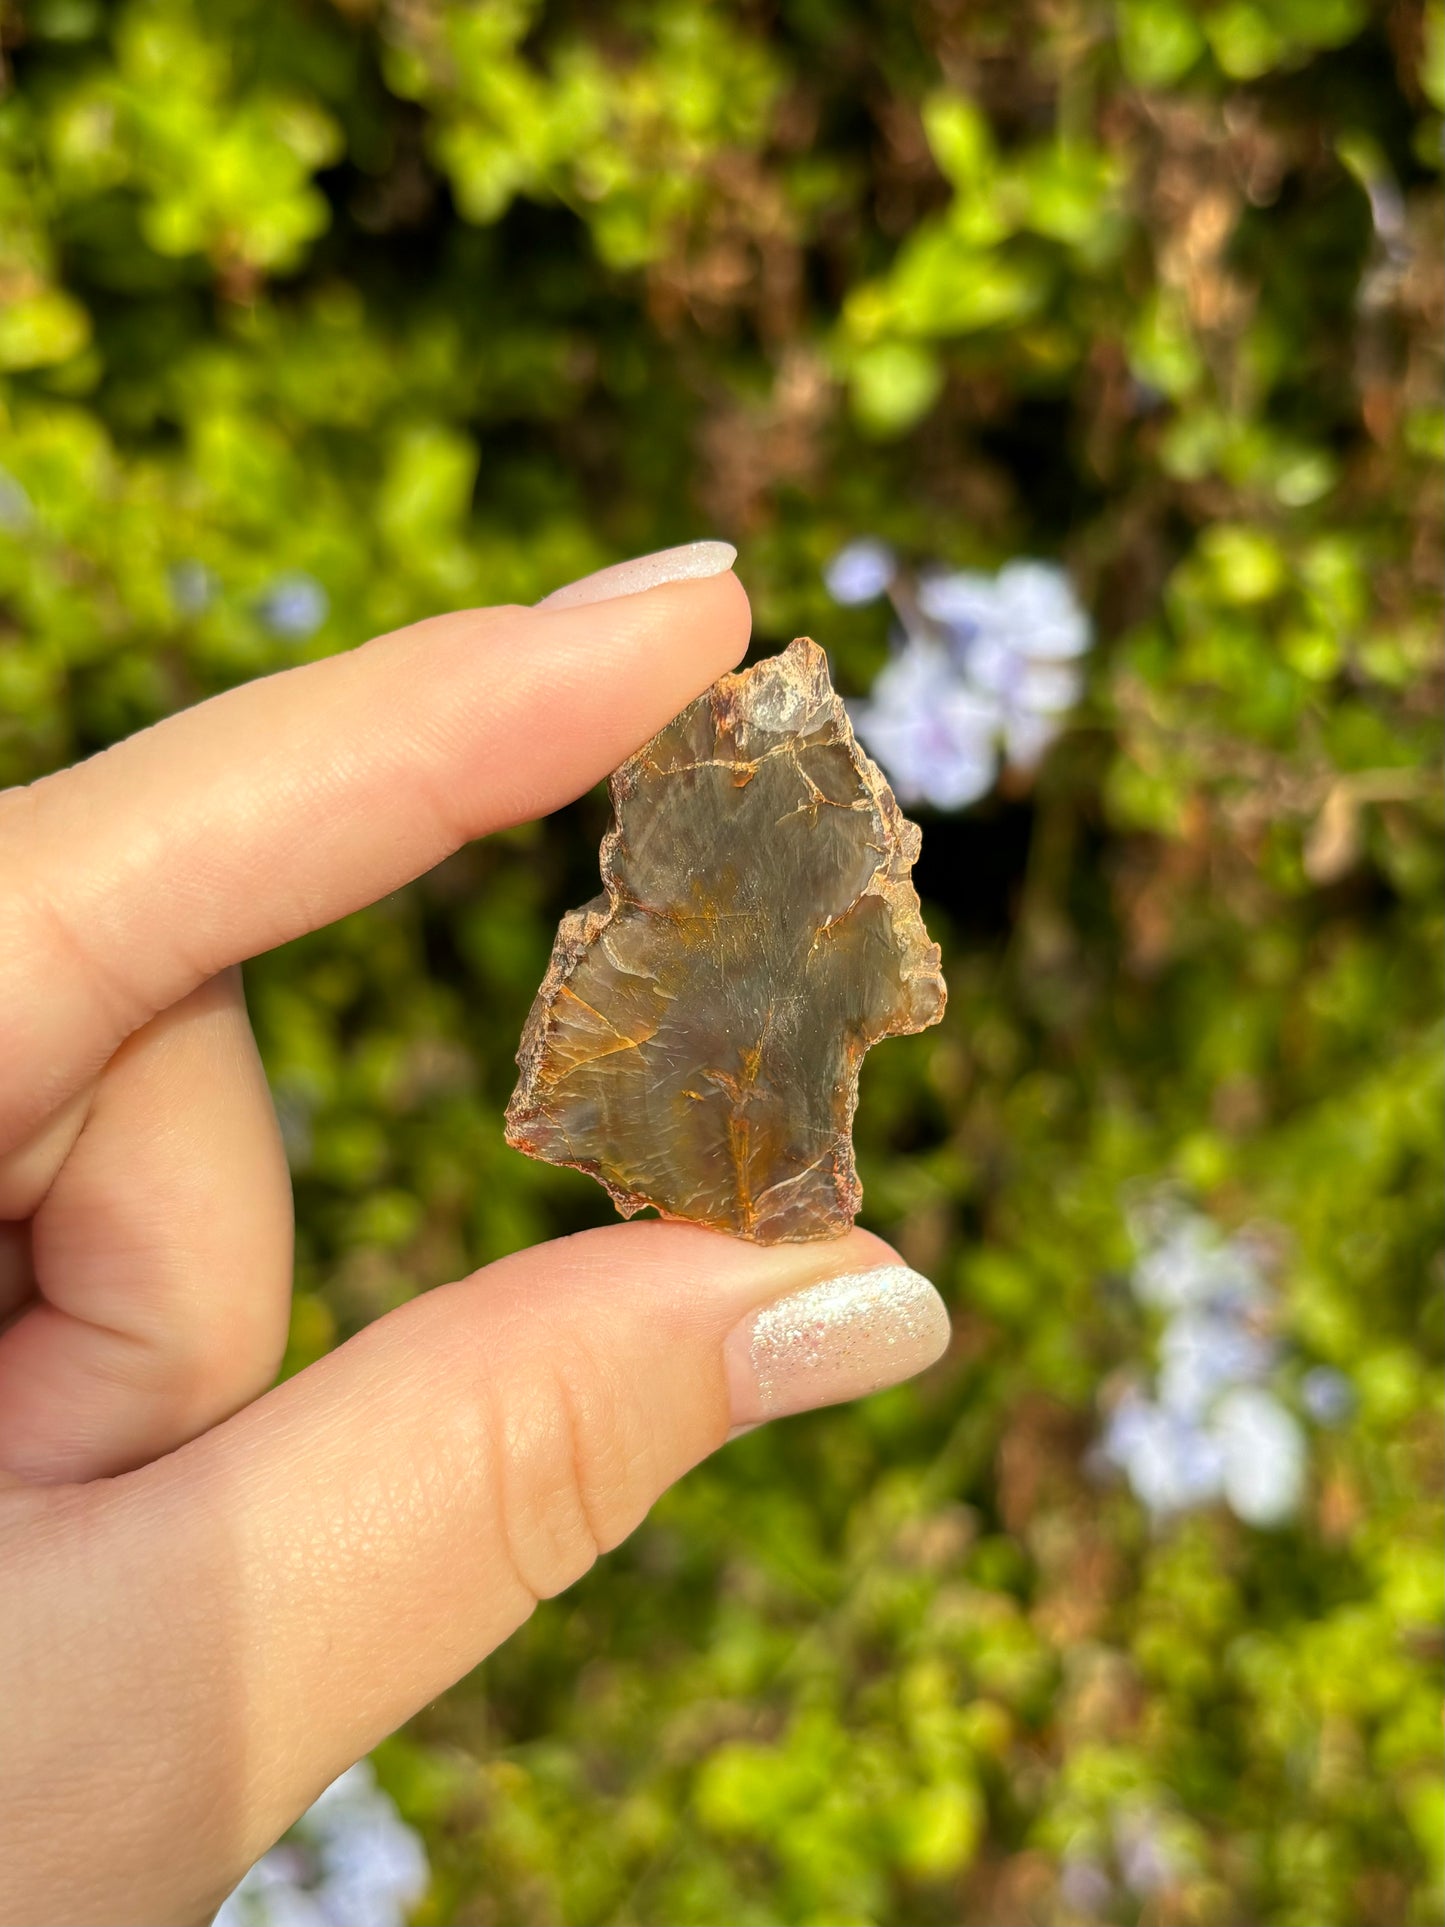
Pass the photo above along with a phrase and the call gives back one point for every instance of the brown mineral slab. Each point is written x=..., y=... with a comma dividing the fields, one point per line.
x=696, y=1041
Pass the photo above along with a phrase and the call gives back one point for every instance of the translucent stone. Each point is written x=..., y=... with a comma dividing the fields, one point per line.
x=696, y=1041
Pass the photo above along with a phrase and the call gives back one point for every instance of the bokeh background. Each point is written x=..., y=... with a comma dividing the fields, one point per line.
x=317, y=316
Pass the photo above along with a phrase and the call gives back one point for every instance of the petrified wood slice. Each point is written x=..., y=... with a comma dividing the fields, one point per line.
x=696, y=1041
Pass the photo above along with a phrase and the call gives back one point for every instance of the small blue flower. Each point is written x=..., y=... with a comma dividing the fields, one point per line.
x=964, y=604
x=1206, y=1352
x=1029, y=607
x=861, y=572
x=1084, y=1886
x=1171, y=1463
x=1214, y=1429
x=1327, y=1395
x=16, y=509
x=1263, y=1455
x=933, y=734
x=350, y=1861
x=1037, y=605
x=1191, y=1264
x=294, y=606
x=192, y=586
x=1031, y=684
x=1017, y=636
x=296, y=1116
x=1033, y=695
x=988, y=666
x=1148, y=1860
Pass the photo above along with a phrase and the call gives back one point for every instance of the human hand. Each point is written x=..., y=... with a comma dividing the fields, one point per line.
x=215, y=1600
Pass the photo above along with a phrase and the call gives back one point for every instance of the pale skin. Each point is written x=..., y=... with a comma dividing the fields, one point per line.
x=216, y=1595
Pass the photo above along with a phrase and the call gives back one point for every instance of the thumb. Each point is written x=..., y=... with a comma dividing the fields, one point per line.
x=352, y=1543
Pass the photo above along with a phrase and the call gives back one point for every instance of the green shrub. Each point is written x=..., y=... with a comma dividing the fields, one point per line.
x=317, y=318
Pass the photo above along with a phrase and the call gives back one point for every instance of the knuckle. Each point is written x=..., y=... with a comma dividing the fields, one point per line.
x=41, y=943
x=228, y=1363
x=193, y=1361
x=571, y=1476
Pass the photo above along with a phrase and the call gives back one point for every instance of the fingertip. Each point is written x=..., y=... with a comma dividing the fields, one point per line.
x=506, y=714
x=735, y=613
x=704, y=623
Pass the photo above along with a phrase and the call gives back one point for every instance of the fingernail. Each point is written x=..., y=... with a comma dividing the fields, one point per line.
x=685, y=564
x=832, y=1341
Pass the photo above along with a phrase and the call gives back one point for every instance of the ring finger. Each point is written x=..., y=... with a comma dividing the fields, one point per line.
x=160, y=1254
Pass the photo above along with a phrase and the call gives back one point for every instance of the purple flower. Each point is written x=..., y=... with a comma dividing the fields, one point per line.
x=934, y=734
x=861, y=572
x=294, y=606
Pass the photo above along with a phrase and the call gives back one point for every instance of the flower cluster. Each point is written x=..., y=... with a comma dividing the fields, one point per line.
x=1212, y=1427
x=349, y=1861
x=985, y=669
x=1144, y=1852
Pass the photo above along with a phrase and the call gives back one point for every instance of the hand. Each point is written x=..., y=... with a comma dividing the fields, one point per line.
x=216, y=1597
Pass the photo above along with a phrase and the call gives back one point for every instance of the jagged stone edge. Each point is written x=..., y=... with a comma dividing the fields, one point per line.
x=579, y=930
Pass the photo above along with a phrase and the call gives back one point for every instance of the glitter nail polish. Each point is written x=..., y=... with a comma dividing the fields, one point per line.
x=835, y=1340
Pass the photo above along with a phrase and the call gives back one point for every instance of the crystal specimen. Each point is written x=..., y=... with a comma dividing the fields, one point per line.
x=696, y=1041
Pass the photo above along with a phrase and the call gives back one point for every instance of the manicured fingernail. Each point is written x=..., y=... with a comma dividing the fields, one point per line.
x=686, y=564
x=831, y=1341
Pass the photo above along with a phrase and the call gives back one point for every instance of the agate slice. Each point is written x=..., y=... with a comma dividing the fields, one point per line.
x=696, y=1041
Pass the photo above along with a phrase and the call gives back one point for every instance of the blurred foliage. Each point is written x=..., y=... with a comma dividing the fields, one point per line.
x=318, y=317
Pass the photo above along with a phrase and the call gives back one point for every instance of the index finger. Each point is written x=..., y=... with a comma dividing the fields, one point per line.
x=295, y=799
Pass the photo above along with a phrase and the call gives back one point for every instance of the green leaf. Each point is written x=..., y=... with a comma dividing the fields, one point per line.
x=1245, y=40
x=940, y=287
x=1159, y=40
x=893, y=384
x=939, y=1830
x=1432, y=55
x=960, y=137
x=1246, y=564
x=41, y=329
x=427, y=489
